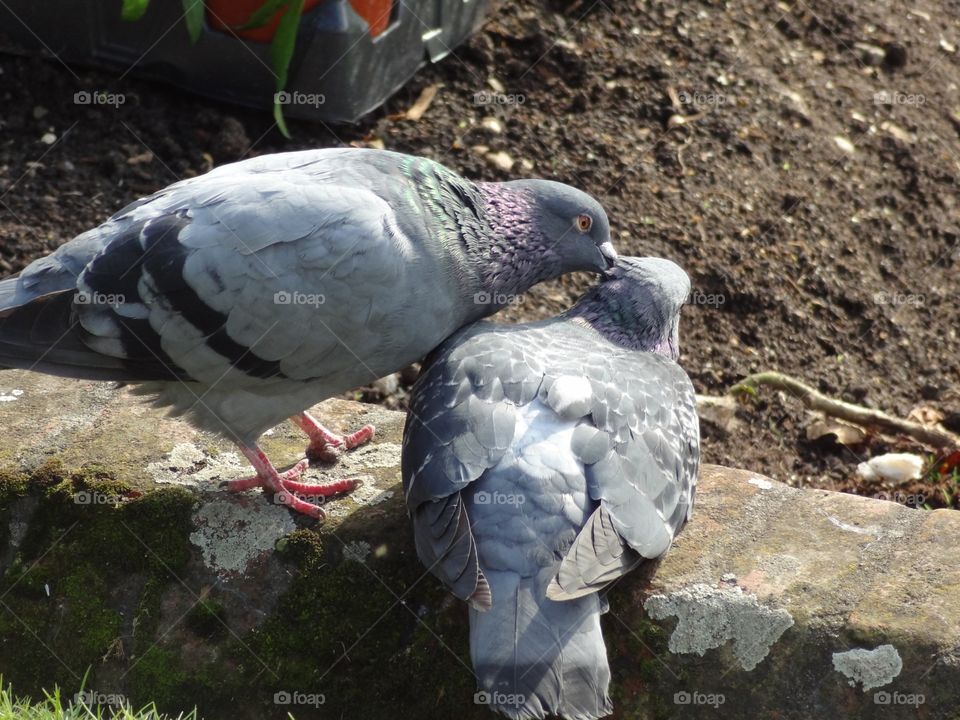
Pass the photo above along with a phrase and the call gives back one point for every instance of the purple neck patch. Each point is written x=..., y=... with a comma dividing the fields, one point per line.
x=611, y=310
x=519, y=255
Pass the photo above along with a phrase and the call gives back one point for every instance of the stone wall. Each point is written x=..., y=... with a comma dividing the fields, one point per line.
x=122, y=561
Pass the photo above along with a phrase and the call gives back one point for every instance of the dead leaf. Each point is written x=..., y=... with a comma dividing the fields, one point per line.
x=676, y=120
x=925, y=415
x=368, y=142
x=845, y=433
x=417, y=110
x=144, y=157
x=719, y=411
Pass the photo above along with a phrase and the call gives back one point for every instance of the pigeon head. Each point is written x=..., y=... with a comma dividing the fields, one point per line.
x=575, y=225
x=638, y=305
x=542, y=229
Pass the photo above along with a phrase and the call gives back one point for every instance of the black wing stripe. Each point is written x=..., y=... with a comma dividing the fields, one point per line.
x=152, y=248
x=164, y=259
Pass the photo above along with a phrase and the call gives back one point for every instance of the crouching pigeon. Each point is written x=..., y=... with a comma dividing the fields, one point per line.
x=543, y=461
x=243, y=296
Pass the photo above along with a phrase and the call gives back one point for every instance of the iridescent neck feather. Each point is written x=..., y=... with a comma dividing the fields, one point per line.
x=630, y=319
x=518, y=254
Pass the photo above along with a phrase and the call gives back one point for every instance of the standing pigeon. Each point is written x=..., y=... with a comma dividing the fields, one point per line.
x=543, y=461
x=243, y=296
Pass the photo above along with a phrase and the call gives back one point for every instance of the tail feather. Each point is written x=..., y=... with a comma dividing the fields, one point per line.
x=535, y=657
x=42, y=333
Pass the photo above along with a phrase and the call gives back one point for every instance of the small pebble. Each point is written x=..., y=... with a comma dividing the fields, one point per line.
x=500, y=160
x=48, y=138
x=844, y=144
x=495, y=85
x=491, y=124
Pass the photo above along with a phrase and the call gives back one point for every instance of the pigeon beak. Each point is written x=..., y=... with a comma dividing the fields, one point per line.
x=609, y=254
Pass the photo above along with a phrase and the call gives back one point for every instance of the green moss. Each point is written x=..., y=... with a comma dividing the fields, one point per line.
x=636, y=646
x=157, y=677
x=50, y=474
x=147, y=617
x=401, y=643
x=302, y=547
x=207, y=620
x=87, y=532
x=13, y=484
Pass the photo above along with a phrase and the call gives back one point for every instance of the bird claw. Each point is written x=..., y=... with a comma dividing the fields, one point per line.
x=253, y=481
x=286, y=488
x=294, y=493
x=326, y=447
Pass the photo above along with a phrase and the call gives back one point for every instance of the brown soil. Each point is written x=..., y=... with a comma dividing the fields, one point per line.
x=819, y=226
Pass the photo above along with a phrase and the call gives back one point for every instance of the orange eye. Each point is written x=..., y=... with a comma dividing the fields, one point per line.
x=584, y=223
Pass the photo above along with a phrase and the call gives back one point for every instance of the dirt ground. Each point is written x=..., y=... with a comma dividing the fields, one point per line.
x=799, y=160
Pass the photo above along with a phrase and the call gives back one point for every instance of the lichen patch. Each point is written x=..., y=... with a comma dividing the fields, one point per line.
x=873, y=668
x=708, y=617
x=230, y=534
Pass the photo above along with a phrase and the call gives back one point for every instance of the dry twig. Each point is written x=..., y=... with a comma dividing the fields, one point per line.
x=866, y=417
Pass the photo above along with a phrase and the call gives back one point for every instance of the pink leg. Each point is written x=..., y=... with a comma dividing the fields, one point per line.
x=326, y=445
x=322, y=490
x=285, y=486
x=270, y=479
x=286, y=477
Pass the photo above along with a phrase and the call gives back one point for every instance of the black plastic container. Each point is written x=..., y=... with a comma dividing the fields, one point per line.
x=338, y=72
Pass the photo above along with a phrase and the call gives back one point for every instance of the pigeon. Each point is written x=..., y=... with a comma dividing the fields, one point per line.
x=246, y=295
x=543, y=461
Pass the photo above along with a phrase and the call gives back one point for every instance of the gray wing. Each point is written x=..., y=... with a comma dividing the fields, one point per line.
x=641, y=450
x=255, y=270
x=460, y=424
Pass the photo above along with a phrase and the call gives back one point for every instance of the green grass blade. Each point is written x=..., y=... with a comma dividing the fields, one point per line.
x=133, y=9
x=263, y=14
x=278, y=117
x=281, y=50
x=193, y=16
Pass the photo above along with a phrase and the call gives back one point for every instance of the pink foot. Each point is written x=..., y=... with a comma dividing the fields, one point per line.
x=256, y=481
x=326, y=445
x=285, y=485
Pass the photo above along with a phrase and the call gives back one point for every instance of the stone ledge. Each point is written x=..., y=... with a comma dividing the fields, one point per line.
x=773, y=603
